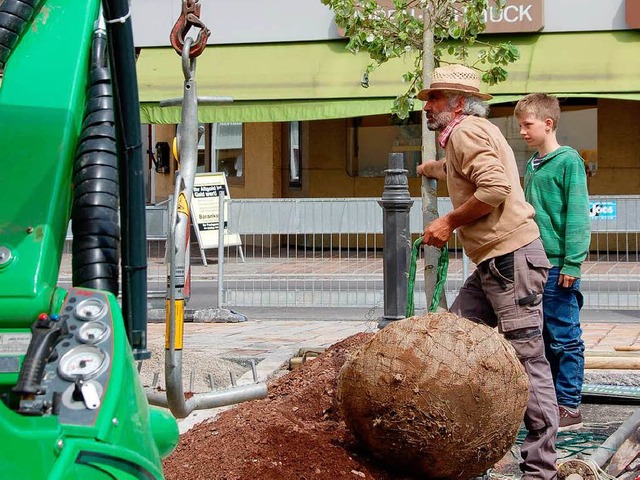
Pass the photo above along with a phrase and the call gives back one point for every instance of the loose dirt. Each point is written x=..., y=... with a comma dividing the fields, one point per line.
x=296, y=433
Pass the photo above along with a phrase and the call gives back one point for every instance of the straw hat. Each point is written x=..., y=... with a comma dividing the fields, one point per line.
x=455, y=78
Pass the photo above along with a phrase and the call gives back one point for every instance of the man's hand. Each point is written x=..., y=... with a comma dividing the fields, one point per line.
x=566, y=281
x=420, y=169
x=438, y=232
x=432, y=169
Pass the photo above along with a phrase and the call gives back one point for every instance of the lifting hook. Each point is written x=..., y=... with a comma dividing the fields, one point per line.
x=190, y=17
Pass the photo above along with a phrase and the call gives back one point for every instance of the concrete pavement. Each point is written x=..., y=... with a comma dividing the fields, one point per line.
x=271, y=336
x=270, y=329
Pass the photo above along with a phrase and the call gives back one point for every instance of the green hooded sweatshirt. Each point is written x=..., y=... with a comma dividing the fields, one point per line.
x=557, y=189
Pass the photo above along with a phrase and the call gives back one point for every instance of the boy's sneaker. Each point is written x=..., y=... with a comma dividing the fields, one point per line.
x=570, y=419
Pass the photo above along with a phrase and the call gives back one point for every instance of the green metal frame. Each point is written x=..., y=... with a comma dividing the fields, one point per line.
x=42, y=100
x=128, y=436
x=41, y=106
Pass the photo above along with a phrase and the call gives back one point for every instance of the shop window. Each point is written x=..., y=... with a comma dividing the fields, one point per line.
x=372, y=139
x=204, y=149
x=294, y=154
x=577, y=128
x=228, y=150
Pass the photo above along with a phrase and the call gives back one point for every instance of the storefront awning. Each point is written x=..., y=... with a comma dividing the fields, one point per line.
x=269, y=82
x=321, y=80
x=272, y=111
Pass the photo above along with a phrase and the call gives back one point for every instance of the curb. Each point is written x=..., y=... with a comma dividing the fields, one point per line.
x=202, y=315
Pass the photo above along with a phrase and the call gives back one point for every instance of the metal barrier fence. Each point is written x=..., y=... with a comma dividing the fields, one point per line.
x=328, y=252
x=313, y=252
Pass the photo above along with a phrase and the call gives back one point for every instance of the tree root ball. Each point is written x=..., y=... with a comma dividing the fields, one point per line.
x=436, y=396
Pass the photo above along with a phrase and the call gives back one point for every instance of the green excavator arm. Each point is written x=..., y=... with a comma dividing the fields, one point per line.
x=72, y=406
x=42, y=98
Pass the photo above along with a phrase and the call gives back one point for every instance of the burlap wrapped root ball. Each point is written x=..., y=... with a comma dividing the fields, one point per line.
x=436, y=396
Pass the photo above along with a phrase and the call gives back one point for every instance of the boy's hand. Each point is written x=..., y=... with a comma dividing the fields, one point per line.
x=566, y=281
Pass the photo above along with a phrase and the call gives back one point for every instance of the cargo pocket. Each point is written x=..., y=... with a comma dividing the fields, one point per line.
x=527, y=342
x=513, y=318
x=531, y=271
x=538, y=261
x=533, y=278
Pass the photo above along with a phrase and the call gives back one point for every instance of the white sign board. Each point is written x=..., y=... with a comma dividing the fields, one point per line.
x=205, y=210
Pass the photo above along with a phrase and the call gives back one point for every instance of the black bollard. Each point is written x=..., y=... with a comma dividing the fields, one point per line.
x=396, y=204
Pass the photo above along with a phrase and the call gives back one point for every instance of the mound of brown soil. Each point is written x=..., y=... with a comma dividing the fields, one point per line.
x=296, y=433
x=293, y=434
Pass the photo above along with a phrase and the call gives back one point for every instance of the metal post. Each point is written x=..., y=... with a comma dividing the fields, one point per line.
x=219, y=314
x=221, y=221
x=396, y=204
x=611, y=445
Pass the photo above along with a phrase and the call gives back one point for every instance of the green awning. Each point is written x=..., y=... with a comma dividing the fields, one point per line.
x=321, y=80
x=269, y=82
x=272, y=111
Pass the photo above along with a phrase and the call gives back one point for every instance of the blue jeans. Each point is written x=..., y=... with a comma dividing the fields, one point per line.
x=564, y=347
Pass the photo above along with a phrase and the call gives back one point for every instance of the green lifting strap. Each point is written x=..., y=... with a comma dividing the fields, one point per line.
x=443, y=265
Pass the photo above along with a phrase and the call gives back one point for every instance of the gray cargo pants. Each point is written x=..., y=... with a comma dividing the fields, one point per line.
x=506, y=292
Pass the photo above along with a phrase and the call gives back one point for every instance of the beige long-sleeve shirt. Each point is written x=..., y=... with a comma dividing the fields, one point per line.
x=480, y=162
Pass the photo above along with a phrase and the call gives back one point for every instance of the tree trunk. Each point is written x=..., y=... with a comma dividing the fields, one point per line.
x=429, y=186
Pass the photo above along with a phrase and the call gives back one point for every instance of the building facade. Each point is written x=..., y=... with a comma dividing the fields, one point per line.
x=301, y=124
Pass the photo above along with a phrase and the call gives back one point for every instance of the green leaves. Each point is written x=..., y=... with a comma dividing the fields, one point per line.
x=494, y=75
x=398, y=31
x=402, y=105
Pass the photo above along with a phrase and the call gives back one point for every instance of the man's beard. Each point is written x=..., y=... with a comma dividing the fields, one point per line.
x=439, y=120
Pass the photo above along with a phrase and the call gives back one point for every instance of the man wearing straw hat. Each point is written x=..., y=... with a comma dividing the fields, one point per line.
x=496, y=228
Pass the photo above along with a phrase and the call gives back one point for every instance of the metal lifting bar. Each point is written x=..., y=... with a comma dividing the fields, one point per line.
x=178, y=247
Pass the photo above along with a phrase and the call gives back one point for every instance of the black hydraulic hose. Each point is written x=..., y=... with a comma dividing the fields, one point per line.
x=132, y=193
x=94, y=215
x=15, y=16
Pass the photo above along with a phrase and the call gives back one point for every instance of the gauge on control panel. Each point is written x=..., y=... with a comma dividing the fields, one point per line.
x=84, y=362
x=90, y=309
x=93, y=332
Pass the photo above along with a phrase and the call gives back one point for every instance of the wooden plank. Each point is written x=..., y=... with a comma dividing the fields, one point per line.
x=614, y=363
x=627, y=348
x=611, y=353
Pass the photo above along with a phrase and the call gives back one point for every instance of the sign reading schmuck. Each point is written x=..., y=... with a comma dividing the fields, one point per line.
x=516, y=16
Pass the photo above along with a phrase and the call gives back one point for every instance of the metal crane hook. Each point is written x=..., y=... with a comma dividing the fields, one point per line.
x=189, y=18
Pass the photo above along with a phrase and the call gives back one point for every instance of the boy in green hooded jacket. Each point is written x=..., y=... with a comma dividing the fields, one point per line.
x=555, y=183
